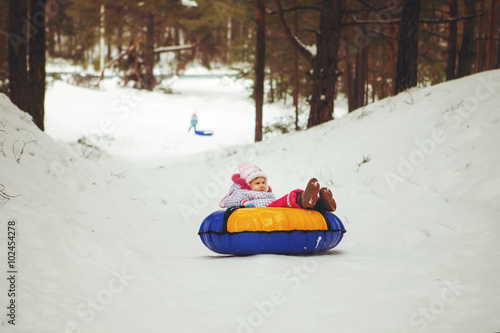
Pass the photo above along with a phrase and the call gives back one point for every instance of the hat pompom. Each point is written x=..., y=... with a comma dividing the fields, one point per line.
x=250, y=171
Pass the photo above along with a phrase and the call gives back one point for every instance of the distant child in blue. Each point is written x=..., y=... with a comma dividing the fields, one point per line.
x=194, y=122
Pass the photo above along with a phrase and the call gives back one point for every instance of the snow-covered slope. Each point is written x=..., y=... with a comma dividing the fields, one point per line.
x=107, y=245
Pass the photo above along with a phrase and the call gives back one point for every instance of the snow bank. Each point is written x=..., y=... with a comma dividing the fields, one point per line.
x=105, y=245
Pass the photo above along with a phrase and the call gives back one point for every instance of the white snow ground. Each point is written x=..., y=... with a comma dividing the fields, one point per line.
x=107, y=242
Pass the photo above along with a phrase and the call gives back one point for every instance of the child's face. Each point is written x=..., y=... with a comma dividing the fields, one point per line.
x=259, y=184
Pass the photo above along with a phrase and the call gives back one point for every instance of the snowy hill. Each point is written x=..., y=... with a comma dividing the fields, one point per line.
x=106, y=239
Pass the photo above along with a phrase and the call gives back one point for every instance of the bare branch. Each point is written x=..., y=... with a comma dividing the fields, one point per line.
x=433, y=33
x=316, y=32
x=1, y=144
x=369, y=5
x=4, y=195
x=1, y=148
x=397, y=21
x=110, y=63
x=177, y=48
x=18, y=160
x=290, y=36
x=371, y=8
x=448, y=20
x=362, y=22
x=292, y=9
x=174, y=48
x=425, y=55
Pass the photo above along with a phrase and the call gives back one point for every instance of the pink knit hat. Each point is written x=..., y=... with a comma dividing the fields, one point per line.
x=250, y=171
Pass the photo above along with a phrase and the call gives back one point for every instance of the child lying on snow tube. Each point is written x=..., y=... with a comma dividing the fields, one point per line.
x=250, y=189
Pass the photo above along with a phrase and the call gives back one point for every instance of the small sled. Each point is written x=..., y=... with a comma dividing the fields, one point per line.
x=205, y=132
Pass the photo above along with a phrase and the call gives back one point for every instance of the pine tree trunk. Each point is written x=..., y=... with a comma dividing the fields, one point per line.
x=17, y=48
x=296, y=73
x=406, y=68
x=491, y=41
x=260, y=59
x=51, y=45
x=361, y=76
x=383, y=74
x=296, y=87
x=149, y=58
x=497, y=65
x=102, y=40
x=357, y=85
x=392, y=86
x=36, y=75
x=466, y=54
x=480, y=38
x=324, y=74
x=451, y=60
x=348, y=79
x=271, y=94
x=373, y=80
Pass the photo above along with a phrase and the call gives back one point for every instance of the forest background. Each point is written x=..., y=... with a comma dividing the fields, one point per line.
x=309, y=51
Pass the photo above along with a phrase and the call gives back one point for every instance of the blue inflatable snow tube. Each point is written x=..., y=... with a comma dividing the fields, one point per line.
x=248, y=231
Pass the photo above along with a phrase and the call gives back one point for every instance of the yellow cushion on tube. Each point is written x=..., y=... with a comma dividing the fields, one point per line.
x=275, y=219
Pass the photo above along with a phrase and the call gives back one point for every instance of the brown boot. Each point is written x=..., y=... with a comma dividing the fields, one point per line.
x=310, y=196
x=326, y=201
